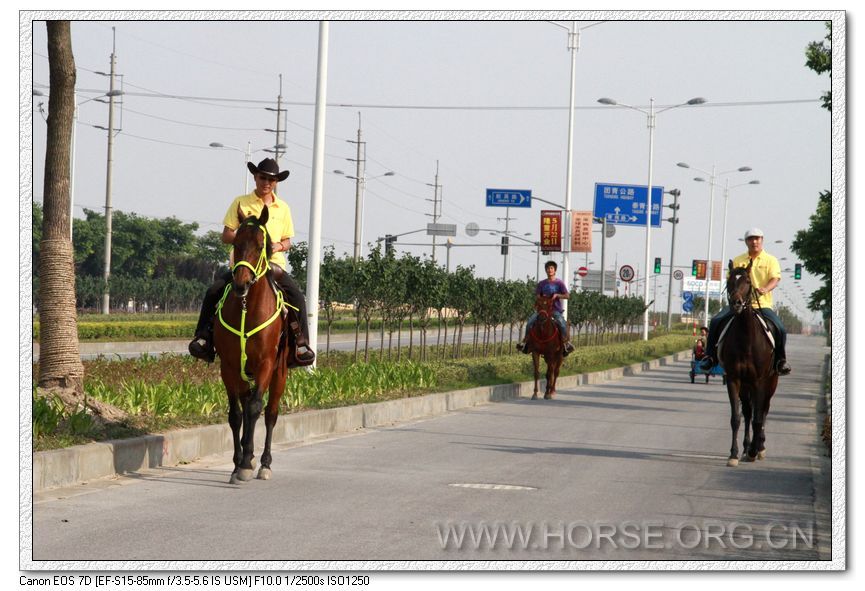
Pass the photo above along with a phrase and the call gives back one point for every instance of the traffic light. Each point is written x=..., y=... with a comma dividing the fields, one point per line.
x=701, y=269
x=797, y=271
x=504, y=245
x=388, y=243
x=694, y=268
x=657, y=265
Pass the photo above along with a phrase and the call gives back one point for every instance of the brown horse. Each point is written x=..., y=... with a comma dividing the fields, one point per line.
x=748, y=359
x=545, y=339
x=252, y=355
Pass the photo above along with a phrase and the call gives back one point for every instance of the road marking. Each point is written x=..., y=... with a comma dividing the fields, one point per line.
x=492, y=486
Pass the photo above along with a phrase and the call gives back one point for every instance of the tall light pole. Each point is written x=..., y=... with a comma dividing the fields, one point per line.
x=360, y=189
x=673, y=220
x=650, y=121
x=727, y=188
x=712, y=183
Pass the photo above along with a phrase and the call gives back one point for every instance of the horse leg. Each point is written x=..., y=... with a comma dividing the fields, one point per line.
x=556, y=366
x=748, y=414
x=735, y=421
x=271, y=412
x=536, y=359
x=235, y=421
x=251, y=410
x=551, y=381
x=757, y=415
x=770, y=391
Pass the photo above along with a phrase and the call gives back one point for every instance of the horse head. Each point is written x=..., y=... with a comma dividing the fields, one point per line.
x=252, y=250
x=739, y=287
x=544, y=305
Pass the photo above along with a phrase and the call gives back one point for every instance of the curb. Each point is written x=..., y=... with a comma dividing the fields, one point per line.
x=83, y=463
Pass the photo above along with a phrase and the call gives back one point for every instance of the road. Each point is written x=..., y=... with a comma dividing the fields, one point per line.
x=338, y=342
x=633, y=469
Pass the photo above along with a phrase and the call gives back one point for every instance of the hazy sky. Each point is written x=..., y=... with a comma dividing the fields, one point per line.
x=485, y=102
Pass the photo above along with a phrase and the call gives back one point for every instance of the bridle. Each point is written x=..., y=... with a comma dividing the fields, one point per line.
x=739, y=302
x=263, y=264
x=544, y=315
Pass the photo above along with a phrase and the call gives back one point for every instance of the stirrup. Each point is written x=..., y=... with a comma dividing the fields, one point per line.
x=567, y=348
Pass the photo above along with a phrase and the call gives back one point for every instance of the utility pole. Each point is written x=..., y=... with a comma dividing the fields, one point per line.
x=279, y=130
x=673, y=220
x=106, y=296
x=358, y=191
x=436, y=211
x=506, y=244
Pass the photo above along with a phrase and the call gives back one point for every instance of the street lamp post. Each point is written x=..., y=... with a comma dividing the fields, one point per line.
x=651, y=117
x=360, y=187
x=727, y=188
x=673, y=220
x=712, y=183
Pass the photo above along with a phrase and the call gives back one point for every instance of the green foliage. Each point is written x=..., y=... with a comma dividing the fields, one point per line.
x=818, y=57
x=814, y=247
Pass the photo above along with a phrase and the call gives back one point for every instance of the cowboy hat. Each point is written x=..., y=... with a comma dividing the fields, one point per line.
x=269, y=167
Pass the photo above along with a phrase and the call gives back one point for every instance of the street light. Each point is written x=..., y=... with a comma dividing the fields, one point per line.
x=358, y=207
x=727, y=188
x=712, y=177
x=247, y=152
x=650, y=121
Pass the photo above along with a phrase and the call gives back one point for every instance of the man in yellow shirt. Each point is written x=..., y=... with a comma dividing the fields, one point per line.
x=765, y=276
x=279, y=224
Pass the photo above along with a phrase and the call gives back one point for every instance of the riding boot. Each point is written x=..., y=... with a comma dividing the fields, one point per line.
x=201, y=346
x=303, y=353
x=781, y=354
x=567, y=346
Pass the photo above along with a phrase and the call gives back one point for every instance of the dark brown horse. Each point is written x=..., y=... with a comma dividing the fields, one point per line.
x=252, y=355
x=544, y=339
x=748, y=360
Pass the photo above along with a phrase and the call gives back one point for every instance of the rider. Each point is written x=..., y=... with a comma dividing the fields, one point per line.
x=279, y=223
x=765, y=275
x=555, y=288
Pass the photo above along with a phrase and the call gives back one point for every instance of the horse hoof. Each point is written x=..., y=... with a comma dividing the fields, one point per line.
x=548, y=396
x=761, y=455
x=241, y=475
x=747, y=458
x=264, y=473
x=732, y=462
x=535, y=396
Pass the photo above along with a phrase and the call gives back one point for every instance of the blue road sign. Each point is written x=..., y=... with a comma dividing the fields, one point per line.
x=626, y=204
x=687, y=301
x=509, y=198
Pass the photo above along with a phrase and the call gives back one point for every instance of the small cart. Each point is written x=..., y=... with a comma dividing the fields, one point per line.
x=716, y=370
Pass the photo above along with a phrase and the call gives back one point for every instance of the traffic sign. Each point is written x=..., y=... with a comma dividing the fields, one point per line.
x=441, y=229
x=687, y=301
x=677, y=274
x=509, y=198
x=582, y=271
x=626, y=272
x=626, y=204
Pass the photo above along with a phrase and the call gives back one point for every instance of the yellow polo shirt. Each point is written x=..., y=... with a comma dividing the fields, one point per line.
x=279, y=224
x=764, y=269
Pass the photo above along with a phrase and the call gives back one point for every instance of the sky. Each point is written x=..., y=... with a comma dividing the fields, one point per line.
x=480, y=104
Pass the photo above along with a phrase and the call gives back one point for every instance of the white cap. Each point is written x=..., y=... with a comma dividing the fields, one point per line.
x=754, y=232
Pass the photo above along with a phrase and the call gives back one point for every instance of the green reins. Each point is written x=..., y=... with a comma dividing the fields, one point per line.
x=258, y=272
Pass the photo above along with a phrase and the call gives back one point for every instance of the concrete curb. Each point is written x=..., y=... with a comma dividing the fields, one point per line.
x=83, y=463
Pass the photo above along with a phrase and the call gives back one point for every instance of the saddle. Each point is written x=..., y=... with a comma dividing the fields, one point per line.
x=768, y=330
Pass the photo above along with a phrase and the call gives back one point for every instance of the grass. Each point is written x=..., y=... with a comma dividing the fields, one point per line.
x=172, y=391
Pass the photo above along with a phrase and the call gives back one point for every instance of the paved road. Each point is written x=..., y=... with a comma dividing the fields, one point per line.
x=633, y=469
x=338, y=342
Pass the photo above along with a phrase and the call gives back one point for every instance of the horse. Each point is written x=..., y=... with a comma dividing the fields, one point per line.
x=544, y=339
x=748, y=359
x=250, y=342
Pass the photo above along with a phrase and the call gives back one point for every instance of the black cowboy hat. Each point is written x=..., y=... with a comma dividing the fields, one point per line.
x=269, y=167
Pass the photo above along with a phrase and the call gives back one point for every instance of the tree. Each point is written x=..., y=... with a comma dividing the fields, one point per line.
x=814, y=247
x=61, y=372
x=818, y=57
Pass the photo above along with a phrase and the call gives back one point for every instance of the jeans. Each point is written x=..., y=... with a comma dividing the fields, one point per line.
x=286, y=283
x=718, y=321
x=557, y=316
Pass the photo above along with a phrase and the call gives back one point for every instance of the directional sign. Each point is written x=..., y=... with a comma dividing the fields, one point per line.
x=626, y=272
x=509, y=198
x=687, y=301
x=441, y=229
x=626, y=204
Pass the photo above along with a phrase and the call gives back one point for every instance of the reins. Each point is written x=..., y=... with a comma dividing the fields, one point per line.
x=258, y=272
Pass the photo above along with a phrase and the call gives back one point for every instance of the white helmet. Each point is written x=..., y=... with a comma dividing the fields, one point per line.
x=754, y=232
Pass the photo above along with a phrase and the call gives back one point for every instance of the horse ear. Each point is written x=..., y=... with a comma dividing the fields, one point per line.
x=240, y=216
x=265, y=215
x=730, y=266
x=750, y=262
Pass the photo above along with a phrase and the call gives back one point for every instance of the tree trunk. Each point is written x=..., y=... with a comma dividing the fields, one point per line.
x=60, y=369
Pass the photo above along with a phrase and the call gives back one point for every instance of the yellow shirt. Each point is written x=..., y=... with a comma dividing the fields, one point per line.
x=279, y=223
x=764, y=269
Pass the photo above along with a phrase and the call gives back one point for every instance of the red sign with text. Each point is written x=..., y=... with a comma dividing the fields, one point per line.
x=551, y=230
